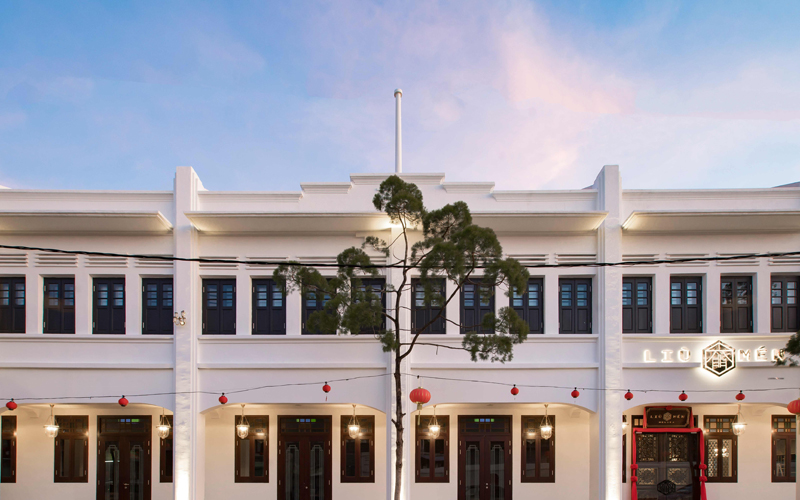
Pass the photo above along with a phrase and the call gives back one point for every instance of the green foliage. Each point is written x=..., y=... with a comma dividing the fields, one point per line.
x=401, y=200
x=792, y=351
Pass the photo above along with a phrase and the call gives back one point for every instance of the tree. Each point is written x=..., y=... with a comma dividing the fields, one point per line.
x=792, y=352
x=436, y=244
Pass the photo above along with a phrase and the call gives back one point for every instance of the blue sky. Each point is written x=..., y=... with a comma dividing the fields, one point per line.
x=531, y=95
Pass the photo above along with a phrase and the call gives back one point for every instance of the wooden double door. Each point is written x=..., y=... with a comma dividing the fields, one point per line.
x=123, y=458
x=484, y=458
x=668, y=466
x=304, y=458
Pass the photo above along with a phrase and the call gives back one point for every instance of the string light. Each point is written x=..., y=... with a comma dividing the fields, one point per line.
x=51, y=426
x=353, y=429
x=243, y=428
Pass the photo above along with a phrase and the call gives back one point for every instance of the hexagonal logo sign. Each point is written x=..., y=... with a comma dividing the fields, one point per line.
x=719, y=358
x=666, y=487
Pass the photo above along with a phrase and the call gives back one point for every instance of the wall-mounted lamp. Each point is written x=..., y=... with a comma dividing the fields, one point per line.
x=179, y=319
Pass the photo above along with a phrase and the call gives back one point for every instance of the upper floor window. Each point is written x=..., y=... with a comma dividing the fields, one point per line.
x=269, y=308
x=109, y=306
x=8, y=450
x=59, y=305
x=358, y=453
x=72, y=449
x=12, y=305
x=784, y=448
x=637, y=305
x=736, y=304
x=529, y=304
x=219, y=306
x=783, y=300
x=686, y=308
x=375, y=290
x=314, y=301
x=157, y=306
x=252, y=452
x=477, y=300
x=432, y=460
x=721, y=448
x=425, y=314
x=575, y=305
x=538, y=454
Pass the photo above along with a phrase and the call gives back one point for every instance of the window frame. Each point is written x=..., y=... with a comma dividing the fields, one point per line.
x=115, y=313
x=421, y=315
x=160, y=314
x=60, y=311
x=574, y=308
x=684, y=281
x=370, y=438
x=420, y=435
x=634, y=308
x=537, y=420
x=478, y=308
x=270, y=313
x=13, y=314
x=735, y=309
x=734, y=478
x=73, y=437
x=785, y=312
x=219, y=327
x=163, y=475
x=9, y=433
x=251, y=438
x=525, y=309
x=790, y=437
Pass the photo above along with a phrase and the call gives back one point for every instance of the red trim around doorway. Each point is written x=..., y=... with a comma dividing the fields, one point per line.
x=702, y=466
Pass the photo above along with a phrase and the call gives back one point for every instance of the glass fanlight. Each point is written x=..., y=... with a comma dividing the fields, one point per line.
x=51, y=427
x=433, y=426
x=739, y=426
x=243, y=428
x=353, y=428
x=546, y=428
x=163, y=426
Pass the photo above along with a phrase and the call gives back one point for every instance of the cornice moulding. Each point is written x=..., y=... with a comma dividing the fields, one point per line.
x=326, y=187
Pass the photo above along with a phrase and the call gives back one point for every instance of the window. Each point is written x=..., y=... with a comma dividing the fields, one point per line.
x=538, y=455
x=72, y=449
x=785, y=310
x=624, y=457
x=12, y=305
x=721, y=448
x=157, y=306
x=59, y=305
x=423, y=313
x=358, y=455
x=575, y=305
x=219, y=306
x=315, y=301
x=166, y=461
x=477, y=300
x=686, y=309
x=736, y=304
x=432, y=461
x=784, y=448
x=252, y=452
x=269, y=308
x=8, y=450
x=637, y=305
x=109, y=306
x=376, y=288
x=529, y=304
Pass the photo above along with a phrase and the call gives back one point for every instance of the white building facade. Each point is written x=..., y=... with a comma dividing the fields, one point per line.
x=78, y=325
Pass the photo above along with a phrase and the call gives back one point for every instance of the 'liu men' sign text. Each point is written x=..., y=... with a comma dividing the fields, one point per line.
x=719, y=358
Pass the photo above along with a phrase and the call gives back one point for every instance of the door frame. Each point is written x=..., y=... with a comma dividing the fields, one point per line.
x=327, y=436
x=485, y=436
x=101, y=438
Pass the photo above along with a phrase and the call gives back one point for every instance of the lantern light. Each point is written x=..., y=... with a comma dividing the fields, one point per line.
x=546, y=428
x=740, y=396
x=51, y=427
x=123, y=401
x=575, y=393
x=11, y=405
x=624, y=423
x=353, y=428
x=223, y=399
x=433, y=426
x=629, y=395
x=739, y=426
x=243, y=427
x=794, y=407
x=683, y=396
x=163, y=426
x=514, y=390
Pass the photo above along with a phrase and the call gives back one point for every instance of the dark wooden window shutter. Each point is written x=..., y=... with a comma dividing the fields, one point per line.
x=59, y=305
x=157, y=306
x=12, y=305
x=529, y=304
x=686, y=304
x=477, y=300
x=575, y=305
x=219, y=306
x=108, y=313
x=637, y=305
x=736, y=304
x=422, y=313
x=785, y=312
x=269, y=308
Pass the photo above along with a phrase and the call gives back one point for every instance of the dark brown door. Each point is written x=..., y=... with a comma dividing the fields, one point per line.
x=304, y=458
x=668, y=466
x=484, y=458
x=123, y=458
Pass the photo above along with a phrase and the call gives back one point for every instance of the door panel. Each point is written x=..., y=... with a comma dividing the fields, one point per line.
x=667, y=466
x=304, y=459
x=484, y=468
x=472, y=470
x=123, y=465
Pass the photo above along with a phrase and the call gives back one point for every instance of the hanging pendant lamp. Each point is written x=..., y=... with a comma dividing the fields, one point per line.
x=433, y=426
x=243, y=428
x=353, y=428
x=163, y=426
x=546, y=428
x=51, y=427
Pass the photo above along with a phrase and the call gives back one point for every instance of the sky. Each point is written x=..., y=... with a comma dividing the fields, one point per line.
x=261, y=96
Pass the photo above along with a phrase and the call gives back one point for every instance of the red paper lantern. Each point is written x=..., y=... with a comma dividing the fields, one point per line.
x=11, y=405
x=794, y=407
x=514, y=391
x=740, y=396
x=420, y=396
x=683, y=396
x=222, y=399
x=575, y=393
x=326, y=388
x=629, y=395
x=123, y=402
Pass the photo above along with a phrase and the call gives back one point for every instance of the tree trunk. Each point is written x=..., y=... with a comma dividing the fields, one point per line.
x=398, y=425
